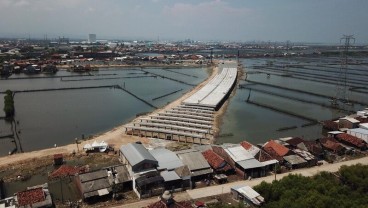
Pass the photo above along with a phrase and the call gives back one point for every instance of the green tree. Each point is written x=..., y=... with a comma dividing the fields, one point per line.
x=9, y=104
x=322, y=190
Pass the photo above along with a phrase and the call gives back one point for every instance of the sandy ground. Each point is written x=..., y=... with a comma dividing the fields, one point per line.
x=115, y=137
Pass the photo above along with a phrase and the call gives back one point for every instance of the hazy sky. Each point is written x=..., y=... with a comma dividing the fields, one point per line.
x=240, y=20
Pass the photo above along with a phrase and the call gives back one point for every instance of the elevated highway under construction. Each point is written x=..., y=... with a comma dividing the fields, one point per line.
x=193, y=120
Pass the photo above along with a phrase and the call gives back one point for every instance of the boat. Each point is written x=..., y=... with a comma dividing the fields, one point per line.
x=96, y=147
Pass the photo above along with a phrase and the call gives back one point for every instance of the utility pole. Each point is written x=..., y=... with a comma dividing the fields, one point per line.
x=76, y=141
x=238, y=55
x=341, y=87
x=211, y=54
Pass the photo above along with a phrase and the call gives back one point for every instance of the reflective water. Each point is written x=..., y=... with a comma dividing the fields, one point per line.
x=257, y=124
x=58, y=117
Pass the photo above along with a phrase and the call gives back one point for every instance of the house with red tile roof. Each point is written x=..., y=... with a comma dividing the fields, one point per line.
x=216, y=161
x=37, y=196
x=332, y=145
x=352, y=141
x=276, y=150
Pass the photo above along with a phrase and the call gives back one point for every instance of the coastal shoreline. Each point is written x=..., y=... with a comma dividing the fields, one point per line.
x=114, y=137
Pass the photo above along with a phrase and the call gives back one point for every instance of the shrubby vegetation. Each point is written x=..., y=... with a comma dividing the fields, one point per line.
x=347, y=188
x=9, y=104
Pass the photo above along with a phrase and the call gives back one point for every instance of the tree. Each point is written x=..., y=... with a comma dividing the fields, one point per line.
x=322, y=190
x=9, y=104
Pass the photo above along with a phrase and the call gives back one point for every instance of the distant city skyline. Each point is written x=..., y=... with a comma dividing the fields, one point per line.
x=317, y=21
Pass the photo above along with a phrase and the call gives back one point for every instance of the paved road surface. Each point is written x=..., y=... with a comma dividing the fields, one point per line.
x=225, y=188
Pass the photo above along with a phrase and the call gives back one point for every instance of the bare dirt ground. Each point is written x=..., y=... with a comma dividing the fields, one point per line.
x=115, y=137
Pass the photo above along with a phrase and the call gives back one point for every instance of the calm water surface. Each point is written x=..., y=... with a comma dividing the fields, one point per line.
x=257, y=124
x=58, y=117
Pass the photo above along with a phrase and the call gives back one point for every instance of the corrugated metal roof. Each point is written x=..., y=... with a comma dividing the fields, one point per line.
x=166, y=159
x=194, y=160
x=95, y=185
x=136, y=153
x=359, y=130
x=250, y=194
x=201, y=172
x=294, y=159
x=253, y=150
x=363, y=125
x=238, y=153
x=169, y=175
x=360, y=133
x=90, y=176
x=269, y=162
x=350, y=119
x=250, y=163
x=246, y=191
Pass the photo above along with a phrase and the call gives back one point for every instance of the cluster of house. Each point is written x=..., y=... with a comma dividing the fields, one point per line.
x=347, y=135
x=151, y=172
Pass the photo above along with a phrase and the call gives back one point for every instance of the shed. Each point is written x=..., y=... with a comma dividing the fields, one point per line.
x=307, y=156
x=167, y=160
x=348, y=122
x=250, y=164
x=137, y=157
x=295, y=161
x=172, y=180
x=247, y=194
x=94, y=184
x=196, y=163
x=149, y=185
x=58, y=159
